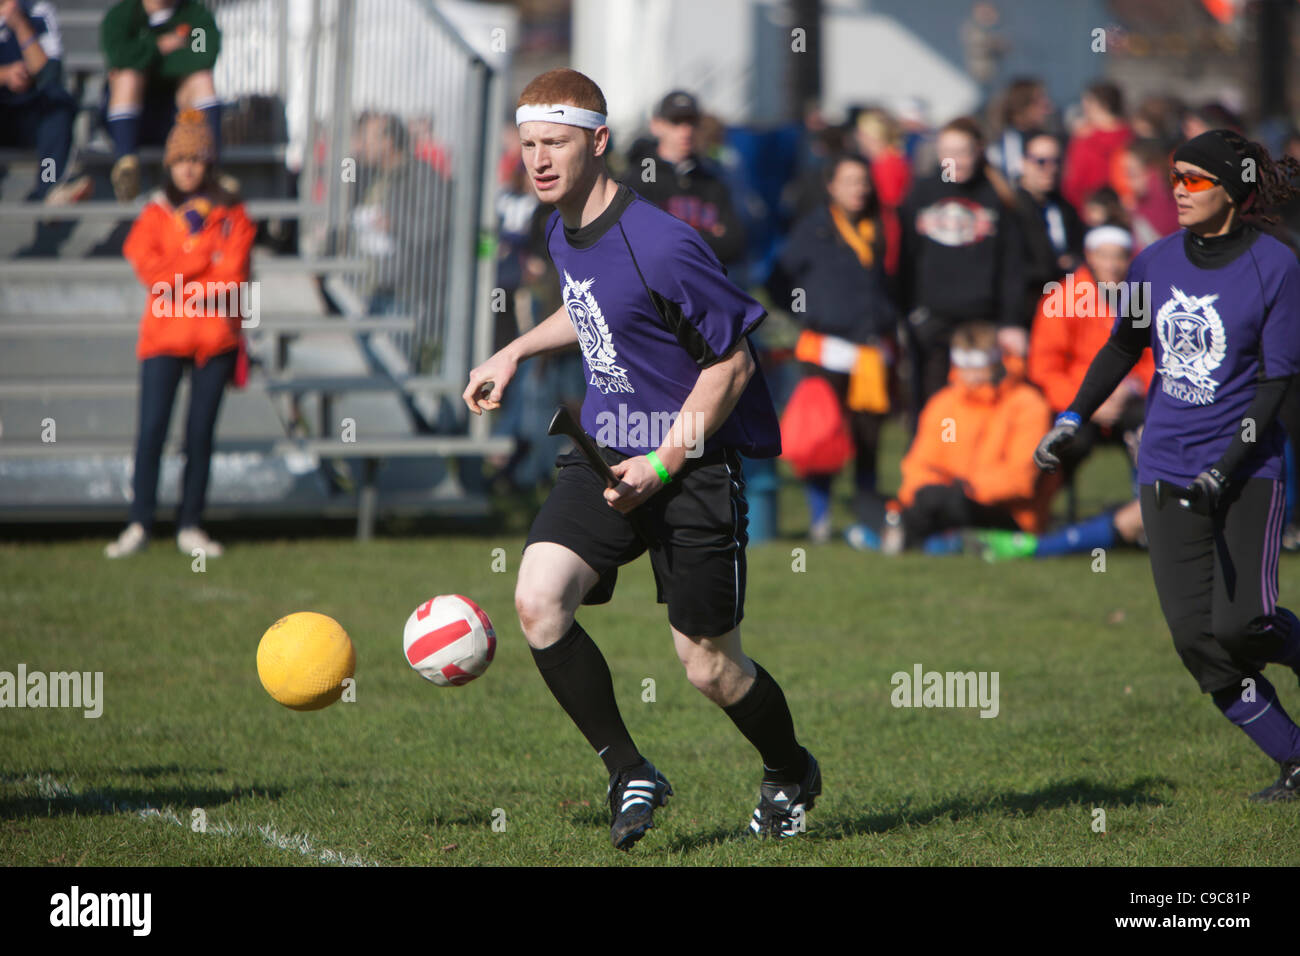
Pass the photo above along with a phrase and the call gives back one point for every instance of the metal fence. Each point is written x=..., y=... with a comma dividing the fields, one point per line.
x=404, y=130
x=393, y=122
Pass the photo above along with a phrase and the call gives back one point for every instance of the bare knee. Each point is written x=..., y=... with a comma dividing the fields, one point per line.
x=704, y=672
x=195, y=88
x=543, y=616
x=719, y=677
x=125, y=87
x=552, y=581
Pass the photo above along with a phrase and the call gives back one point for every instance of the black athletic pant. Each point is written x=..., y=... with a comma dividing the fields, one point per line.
x=937, y=508
x=930, y=345
x=1216, y=577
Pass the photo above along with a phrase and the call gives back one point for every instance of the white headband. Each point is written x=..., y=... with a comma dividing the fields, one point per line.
x=973, y=358
x=1107, y=236
x=559, y=113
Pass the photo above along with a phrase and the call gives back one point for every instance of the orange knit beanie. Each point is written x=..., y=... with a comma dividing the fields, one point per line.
x=190, y=137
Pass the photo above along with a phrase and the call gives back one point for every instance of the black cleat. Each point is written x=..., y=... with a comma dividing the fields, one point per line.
x=782, y=806
x=1287, y=786
x=633, y=796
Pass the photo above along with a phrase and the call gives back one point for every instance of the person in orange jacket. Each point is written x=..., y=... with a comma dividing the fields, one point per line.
x=190, y=247
x=966, y=468
x=1072, y=324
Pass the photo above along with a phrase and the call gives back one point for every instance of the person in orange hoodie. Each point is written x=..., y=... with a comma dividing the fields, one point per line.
x=190, y=248
x=965, y=468
x=1072, y=324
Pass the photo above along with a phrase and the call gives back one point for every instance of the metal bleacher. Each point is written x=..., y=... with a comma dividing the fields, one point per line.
x=339, y=417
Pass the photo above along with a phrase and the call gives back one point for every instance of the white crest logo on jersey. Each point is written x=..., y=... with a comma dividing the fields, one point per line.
x=594, y=337
x=1192, y=344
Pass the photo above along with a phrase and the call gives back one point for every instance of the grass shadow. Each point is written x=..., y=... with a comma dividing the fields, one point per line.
x=1078, y=792
x=52, y=799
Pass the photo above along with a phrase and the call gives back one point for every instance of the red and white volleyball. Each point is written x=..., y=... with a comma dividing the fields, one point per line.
x=449, y=640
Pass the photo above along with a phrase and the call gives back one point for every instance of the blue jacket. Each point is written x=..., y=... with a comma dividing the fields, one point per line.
x=41, y=15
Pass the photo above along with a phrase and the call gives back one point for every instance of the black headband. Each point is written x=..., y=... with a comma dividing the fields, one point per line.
x=1214, y=154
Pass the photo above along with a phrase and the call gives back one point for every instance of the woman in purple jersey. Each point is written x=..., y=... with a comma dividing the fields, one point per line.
x=1219, y=305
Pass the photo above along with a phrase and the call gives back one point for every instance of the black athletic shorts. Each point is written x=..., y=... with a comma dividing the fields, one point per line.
x=697, y=523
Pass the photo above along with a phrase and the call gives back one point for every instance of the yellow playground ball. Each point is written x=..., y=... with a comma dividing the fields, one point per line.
x=303, y=660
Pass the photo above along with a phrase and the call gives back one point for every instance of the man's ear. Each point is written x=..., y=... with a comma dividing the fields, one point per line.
x=599, y=140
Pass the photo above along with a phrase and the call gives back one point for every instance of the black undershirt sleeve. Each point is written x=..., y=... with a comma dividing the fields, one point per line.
x=1263, y=412
x=1110, y=367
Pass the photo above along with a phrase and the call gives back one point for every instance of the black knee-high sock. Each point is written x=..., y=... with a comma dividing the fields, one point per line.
x=576, y=672
x=763, y=716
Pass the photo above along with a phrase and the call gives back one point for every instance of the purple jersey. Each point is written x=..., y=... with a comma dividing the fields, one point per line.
x=1214, y=334
x=652, y=306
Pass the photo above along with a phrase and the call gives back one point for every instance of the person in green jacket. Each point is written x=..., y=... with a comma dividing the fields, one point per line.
x=160, y=55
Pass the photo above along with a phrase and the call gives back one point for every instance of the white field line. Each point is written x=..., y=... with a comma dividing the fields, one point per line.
x=48, y=788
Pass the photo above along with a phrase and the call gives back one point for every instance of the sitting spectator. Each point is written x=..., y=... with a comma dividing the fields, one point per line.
x=1101, y=134
x=673, y=176
x=160, y=55
x=193, y=233
x=398, y=220
x=1105, y=530
x=971, y=463
x=1062, y=346
x=36, y=112
x=1052, y=229
x=1103, y=208
x=834, y=258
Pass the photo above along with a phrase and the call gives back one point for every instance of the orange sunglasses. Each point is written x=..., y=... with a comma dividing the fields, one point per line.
x=1195, y=182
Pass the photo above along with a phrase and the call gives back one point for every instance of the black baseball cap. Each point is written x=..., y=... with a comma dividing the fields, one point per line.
x=678, y=107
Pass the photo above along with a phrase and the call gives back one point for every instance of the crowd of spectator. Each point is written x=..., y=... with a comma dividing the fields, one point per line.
x=914, y=260
x=912, y=257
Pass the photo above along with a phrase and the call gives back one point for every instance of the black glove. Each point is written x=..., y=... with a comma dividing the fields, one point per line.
x=1210, y=485
x=1062, y=433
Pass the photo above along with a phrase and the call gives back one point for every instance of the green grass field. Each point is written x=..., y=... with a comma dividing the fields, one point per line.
x=1095, y=712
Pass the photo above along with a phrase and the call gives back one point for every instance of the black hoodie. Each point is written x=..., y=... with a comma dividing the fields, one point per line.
x=962, y=253
x=694, y=192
